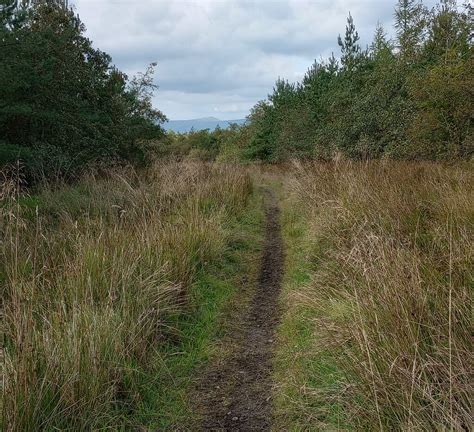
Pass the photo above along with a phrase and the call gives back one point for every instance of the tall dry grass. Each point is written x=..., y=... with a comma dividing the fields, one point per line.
x=392, y=252
x=89, y=276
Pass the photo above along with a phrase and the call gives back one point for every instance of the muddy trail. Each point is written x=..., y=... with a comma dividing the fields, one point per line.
x=236, y=395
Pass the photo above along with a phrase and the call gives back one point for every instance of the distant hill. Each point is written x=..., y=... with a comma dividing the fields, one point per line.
x=199, y=124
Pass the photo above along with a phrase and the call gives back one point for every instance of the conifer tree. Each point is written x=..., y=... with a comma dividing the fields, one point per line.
x=411, y=102
x=449, y=32
x=63, y=105
x=333, y=65
x=380, y=43
x=350, y=47
x=410, y=26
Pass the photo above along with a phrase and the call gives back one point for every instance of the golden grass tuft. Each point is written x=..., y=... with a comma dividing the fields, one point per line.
x=90, y=275
x=391, y=253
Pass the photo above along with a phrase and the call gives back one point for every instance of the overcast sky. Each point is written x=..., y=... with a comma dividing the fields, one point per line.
x=219, y=57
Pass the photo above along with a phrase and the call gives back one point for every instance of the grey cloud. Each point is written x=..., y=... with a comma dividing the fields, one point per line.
x=219, y=57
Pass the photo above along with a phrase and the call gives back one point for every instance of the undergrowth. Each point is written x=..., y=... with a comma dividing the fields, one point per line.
x=219, y=292
x=94, y=278
x=378, y=289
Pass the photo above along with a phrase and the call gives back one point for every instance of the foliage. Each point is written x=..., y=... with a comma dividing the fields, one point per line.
x=62, y=100
x=225, y=145
x=408, y=98
x=350, y=47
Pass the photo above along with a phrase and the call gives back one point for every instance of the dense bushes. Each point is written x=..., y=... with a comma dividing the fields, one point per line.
x=63, y=105
x=408, y=98
x=226, y=145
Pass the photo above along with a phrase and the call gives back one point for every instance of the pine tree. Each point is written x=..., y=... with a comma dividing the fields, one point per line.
x=350, y=47
x=449, y=32
x=333, y=65
x=283, y=93
x=410, y=26
x=380, y=43
x=12, y=14
x=7, y=6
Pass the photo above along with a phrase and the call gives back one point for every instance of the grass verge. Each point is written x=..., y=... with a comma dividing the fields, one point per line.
x=219, y=292
x=377, y=330
x=101, y=284
x=302, y=373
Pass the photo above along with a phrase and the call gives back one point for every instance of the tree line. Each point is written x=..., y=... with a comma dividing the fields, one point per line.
x=63, y=104
x=409, y=97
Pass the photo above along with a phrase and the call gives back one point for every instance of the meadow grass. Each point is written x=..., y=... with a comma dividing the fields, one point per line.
x=220, y=290
x=302, y=373
x=376, y=334
x=97, y=280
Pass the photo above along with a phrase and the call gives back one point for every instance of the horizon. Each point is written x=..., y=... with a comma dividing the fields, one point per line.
x=305, y=267
x=204, y=118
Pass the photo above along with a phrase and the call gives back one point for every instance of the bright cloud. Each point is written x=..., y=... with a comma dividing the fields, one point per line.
x=216, y=57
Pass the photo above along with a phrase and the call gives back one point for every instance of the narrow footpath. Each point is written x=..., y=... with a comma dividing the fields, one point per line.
x=237, y=394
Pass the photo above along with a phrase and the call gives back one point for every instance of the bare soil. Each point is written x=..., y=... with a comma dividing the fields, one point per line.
x=236, y=393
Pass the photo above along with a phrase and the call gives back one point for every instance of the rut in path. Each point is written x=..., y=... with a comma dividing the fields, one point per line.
x=237, y=395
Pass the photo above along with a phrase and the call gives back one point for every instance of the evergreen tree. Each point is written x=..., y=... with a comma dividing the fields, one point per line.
x=333, y=65
x=380, y=44
x=411, y=102
x=62, y=103
x=449, y=32
x=350, y=47
x=262, y=145
x=410, y=26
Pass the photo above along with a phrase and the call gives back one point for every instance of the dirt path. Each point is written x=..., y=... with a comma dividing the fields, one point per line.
x=237, y=394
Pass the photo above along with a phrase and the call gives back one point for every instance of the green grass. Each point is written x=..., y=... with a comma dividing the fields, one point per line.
x=115, y=286
x=216, y=290
x=302, y=374
x=376, y=331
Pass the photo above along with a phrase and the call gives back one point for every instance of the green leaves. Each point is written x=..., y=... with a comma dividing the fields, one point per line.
x=58, y=92
x=409, y=98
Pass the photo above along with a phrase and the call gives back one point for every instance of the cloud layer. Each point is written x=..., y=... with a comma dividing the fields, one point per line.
x=218, y=58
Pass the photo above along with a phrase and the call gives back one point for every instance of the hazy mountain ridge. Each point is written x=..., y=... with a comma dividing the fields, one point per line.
x=211, y=123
